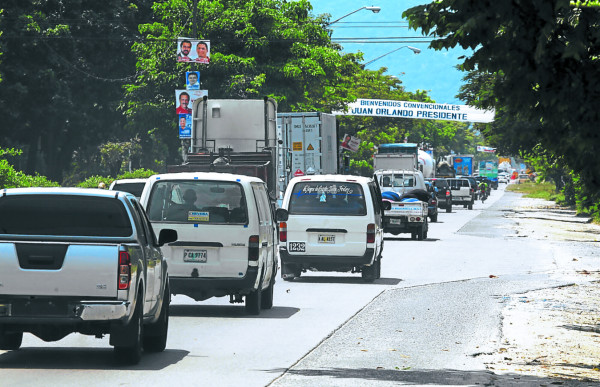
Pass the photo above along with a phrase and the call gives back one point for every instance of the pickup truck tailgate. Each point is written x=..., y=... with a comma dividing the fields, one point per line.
x=58, y=269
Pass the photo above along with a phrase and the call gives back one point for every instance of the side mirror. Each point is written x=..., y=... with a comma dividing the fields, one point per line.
x=281, y=215
x=167, y=235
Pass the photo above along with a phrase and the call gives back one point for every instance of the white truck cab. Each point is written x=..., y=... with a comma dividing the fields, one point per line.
x=331, y=223
x=227, y=235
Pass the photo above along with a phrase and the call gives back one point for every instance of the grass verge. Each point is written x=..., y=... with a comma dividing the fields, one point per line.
x=541, y=190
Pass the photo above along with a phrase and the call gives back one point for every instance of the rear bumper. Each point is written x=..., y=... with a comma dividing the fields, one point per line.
x=203, y=288
x=342, y=260
x=61, y=311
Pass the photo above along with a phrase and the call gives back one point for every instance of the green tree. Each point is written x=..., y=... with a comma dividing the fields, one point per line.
x=542, y=60
x=63, y=67
x=259, y=48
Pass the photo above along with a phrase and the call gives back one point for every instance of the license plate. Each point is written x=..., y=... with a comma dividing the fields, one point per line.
x=326, y=238
x=395, y=221
x=195, y=256
x=297, y=247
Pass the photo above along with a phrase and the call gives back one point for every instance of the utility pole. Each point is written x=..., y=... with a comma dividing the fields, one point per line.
x=194, y=12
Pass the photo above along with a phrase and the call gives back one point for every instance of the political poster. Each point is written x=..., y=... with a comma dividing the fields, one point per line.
x=185, y=126
x=193, y=50
x=184, y=99
x=417, y=110
x=350, y=143
x=192, y=80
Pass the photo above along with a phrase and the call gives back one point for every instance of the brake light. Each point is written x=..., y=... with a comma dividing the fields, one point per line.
x=282, y=232
x=124, y=278
x=447, y=193
x=253, y=248
x=371, y=233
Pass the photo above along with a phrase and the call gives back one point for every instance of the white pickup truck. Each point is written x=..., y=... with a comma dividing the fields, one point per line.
x=82, y=260
x=405, y=202
x=462, y=192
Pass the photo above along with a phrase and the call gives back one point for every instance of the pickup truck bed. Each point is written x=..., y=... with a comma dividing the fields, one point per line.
x=81, y=260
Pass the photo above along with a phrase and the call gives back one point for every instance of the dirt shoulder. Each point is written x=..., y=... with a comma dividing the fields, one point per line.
x=555, y=332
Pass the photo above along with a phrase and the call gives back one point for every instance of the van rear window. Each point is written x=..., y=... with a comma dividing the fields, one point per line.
x=64, y=215
x=197, y=201
x=327, y=198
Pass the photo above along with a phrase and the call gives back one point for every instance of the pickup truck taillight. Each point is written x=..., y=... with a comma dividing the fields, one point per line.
x=124, y=270
x=447, y=192
x=253, y=249
x=371, y=233
x=282, y=232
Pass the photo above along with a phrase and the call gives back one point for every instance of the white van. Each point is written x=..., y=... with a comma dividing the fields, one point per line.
x=227, y=236
x=331, y=223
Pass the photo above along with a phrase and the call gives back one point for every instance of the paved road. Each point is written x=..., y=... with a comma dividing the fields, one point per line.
x=434, y=309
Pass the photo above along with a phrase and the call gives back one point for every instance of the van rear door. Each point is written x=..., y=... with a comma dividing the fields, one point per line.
x=327, y=218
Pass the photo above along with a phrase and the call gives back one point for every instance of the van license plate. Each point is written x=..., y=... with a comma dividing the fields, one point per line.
x=195, y=256
x=395, y=221
x=297, y=247
x=326, y=238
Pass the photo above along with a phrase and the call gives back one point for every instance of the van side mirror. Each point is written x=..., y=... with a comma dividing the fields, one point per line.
x=281, y=215
x=167, y=235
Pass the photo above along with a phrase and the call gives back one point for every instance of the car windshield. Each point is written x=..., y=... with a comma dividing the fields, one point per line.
x=197, y=201
x=64, y=215
x=133, y=188
x=393, y=180
x=327, y=198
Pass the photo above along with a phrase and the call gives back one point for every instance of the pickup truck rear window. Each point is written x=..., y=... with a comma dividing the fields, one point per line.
x=64, y=215
x=197, y=201
x=327, y=198
x=133, y=188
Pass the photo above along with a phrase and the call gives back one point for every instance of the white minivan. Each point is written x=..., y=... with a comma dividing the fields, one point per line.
x=227, y=235
x=331, y=223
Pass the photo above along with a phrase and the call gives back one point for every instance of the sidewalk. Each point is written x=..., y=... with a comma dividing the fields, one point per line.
x=555, y=332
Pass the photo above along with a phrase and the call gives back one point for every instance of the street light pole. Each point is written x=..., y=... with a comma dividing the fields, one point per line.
x=372, y=9
x=413, y=49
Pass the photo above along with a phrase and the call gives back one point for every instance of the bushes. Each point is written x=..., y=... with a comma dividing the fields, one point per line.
x=11, y=178
x=94, y=181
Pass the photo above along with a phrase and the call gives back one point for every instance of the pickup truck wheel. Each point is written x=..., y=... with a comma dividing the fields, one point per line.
x=470, y=206
x=267, y=295
x=133, y=354
x=10, y=341
x=449, y=208
x=253, y=301
x=434, y=218
x=288, y=272
x=155, y=335
x=413, y=235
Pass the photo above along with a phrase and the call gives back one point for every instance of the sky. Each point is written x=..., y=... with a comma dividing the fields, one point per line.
x=431, y=70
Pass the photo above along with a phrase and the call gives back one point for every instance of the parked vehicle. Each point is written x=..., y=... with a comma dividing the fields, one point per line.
x=443, y=193
x=462, y=192
x=432, y=203
x=133, y=186
x=331, y=223
x=227, y=235
x=86, y=261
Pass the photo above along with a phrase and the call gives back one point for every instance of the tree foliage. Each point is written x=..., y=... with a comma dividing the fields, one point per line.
x=537, y=63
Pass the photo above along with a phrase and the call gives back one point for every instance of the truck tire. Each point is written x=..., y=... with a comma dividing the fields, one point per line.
x=413, y=235
x=267, y=295
x=471, y=206
x=155, y=335
x=132, y=354
x=434, y=218
x=10, y=341
x=253, y=301
x=449, y=207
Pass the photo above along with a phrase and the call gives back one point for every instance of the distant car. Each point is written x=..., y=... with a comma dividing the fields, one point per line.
x=503, y=178
x=133, y=186
x=523, y=178
x=474, y=184
x=432, y=203
x=443, y=193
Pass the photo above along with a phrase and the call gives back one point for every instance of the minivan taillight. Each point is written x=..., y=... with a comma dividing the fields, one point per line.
x=282, y=232
x=371, y=233
x=124, y=278
x=253, y=248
